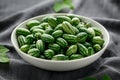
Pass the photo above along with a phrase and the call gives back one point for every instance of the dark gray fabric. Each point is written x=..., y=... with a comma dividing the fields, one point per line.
x=13, y=12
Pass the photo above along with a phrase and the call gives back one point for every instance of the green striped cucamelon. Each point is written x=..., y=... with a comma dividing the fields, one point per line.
x=82, y=36
x=71, y=50
x=98, y=40
x=63, y=43
x=49, y=53
x=22, y=31
x=25, y=48
x=32, y=23
x=57, y=33
x=76, y=56
x=21, y=40
x=47, y=38
x=68, y=28
x=34, y=52
x=55, y=47
x=82, y=50
x=60, y=19
x=40, y=45
x=70, y=38
x=60, y=57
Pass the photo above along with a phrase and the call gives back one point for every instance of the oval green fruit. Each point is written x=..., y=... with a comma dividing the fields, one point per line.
x=22, y=31
x=54, y=47
x=49, y=53
x=21, y=40
x=71, y=50
x=60, y=57
x=32, y=23
x=47, y=38
x=63, y=43
x=57, y=33
x=76, y=56
x=25, y=48
x=40, y=45
x=34, y=52
x=81, y=37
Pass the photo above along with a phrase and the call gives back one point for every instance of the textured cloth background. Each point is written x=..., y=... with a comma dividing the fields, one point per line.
x=13, y=12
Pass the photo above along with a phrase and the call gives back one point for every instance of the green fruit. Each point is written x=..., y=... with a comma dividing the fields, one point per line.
x=32, y=23
x=91, y=33
x=82, y=50
x=71, y=50
x=47, y=38
x=76, y=56
x=36, y=27
x=37, y=35
x=87, y=44
x=49, y=30
x=22, y=31
x=70, y=38
x=40, y=45
x=38, y=31
x=54, y=47
x=98, y=40
x=49, y=53
x=75, y=21
x=97, y=47
x=29, y=39
x=34, y=52
x=21, y=40
x=82, y=36
x=57, y=33
x=44, y=25
x=61, y=19
x=97, y=31
x=58, y=27
x=60, y=57
x=25, y=48
x=63, y=43
x=52, y=22
x=91, y=51
x=68, y=28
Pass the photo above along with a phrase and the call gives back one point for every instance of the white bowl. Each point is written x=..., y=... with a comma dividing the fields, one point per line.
x=61, y=65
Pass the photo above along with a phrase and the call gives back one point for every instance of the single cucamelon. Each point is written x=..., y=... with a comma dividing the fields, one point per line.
x=60, y=57
x=97, y=47
x=70, y=38
x=55, y=47
x=40, y=45
x=38, y=31
x=57, y=33
x=49, y=53
x=47, y=38
x=68, y=28
x=60, y=37
x=52, y=22
x=60, y=19
x=75, y=21
x=24, y=48
x=81, y=37
x=32, y=23
x=91, y=51
x=34, y=52
x=97, y=32
x=63, y=43
x=76, y=56
x=22, y=31
x=98, y=40
x=71, y=50
x=36, y=27
x=21, y=40
x=91, y=33
x=82, y=50
x=29, y=39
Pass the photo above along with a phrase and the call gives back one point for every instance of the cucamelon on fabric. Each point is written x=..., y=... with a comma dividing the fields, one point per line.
x=59, y=38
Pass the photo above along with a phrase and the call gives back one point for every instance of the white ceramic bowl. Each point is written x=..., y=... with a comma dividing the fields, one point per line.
x=61, y=65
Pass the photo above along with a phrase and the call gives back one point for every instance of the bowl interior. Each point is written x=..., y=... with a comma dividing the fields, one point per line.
x=88, y=20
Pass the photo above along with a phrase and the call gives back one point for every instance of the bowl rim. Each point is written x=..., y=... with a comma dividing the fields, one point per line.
x=57, y=61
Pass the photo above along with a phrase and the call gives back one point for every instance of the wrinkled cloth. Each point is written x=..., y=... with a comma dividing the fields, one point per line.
x=106, y=12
